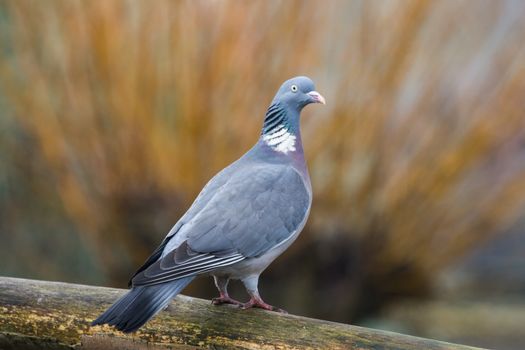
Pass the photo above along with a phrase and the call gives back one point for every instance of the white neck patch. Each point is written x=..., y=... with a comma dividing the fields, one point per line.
x=281, y=140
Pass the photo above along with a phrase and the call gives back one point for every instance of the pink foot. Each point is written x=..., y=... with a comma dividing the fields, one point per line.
x=225, y=299
x=259, y=303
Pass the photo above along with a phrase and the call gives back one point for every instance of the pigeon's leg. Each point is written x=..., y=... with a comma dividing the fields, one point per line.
x=222, y=285
x=251, y=283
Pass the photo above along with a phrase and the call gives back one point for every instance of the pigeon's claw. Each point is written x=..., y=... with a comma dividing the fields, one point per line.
x=259, y=303
x=225, y=299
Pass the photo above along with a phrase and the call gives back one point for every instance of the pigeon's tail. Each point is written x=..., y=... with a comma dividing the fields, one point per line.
x=140, y=304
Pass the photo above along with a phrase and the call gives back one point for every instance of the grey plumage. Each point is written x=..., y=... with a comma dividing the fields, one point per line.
x=140, y=304
x=246, y=216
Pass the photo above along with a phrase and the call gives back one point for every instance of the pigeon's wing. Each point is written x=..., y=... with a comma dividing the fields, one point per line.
x=256, y=210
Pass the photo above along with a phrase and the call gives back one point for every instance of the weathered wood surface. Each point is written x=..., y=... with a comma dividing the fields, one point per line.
x=52, y=315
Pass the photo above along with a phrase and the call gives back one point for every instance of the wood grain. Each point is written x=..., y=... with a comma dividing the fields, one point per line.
x=54, y=315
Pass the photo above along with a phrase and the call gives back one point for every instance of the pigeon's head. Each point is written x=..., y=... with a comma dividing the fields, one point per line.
x=298, y=92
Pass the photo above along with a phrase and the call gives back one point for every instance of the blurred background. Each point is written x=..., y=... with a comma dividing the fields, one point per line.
x=114, y=114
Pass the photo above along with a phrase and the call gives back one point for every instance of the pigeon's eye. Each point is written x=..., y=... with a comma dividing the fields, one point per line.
x=294, y=88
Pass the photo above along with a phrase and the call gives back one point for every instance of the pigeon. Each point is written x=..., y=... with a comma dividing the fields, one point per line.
x=244, y=218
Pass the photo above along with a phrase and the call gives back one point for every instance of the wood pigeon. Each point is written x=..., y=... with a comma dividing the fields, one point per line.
x=244, y=218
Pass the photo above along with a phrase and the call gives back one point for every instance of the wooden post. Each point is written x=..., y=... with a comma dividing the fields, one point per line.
x=53, y=315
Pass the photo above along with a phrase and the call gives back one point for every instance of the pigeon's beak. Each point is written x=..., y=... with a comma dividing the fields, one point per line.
x=317, y=97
